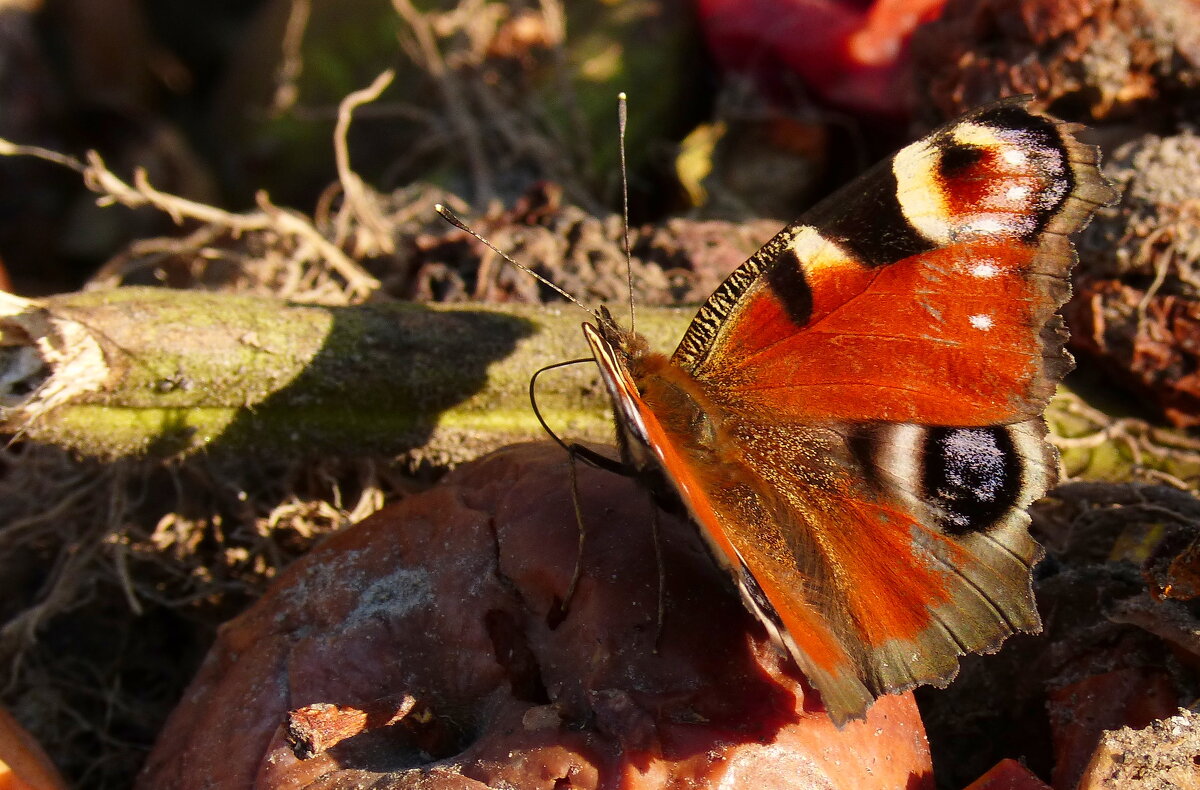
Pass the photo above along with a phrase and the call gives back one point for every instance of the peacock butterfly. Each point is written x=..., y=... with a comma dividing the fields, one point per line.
x=853, y=420
x=854, y=417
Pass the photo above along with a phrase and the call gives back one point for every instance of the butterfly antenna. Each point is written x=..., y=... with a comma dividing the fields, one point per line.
x=622, y=122
x=450, y=217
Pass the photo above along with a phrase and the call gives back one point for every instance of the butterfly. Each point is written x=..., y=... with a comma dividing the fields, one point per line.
x=854, y=419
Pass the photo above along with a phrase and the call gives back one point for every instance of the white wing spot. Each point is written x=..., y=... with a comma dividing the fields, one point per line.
x=1014, y=156
x=981, y=322
x=985, y=225
x=1017, y=194
x=985, y=271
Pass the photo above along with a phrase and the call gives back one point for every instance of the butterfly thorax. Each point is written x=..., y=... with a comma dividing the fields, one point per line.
x=647, y=383
x=678, y=401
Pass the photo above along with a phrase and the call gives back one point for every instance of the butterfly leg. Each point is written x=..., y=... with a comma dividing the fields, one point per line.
x=577, y=452
x=571, y=455
x=574, y=451
x=662, y=574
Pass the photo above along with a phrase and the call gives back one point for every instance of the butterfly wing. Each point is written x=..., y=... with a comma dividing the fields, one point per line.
x=923, y=292
x=854, y=416
x=858, y=542
x=873, y=553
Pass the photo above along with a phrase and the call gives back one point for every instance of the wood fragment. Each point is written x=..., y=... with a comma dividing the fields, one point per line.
x=1168, y=620
x=314, y=729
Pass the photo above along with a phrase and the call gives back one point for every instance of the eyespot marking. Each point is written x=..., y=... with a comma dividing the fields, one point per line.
x=973, y=476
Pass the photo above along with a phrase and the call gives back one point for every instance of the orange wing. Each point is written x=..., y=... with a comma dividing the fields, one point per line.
x=923, y=292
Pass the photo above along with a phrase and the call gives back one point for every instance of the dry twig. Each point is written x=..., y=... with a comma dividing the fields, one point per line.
x=424, y=50
x=291, y=62
x=113, y=190
x=360, y=207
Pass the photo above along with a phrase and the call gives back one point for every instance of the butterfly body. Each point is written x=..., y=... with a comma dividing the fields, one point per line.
x=853, y=419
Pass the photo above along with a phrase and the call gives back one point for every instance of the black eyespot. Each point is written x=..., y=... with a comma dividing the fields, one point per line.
x=1015, y=117
x=957, y=158
x=972, y=476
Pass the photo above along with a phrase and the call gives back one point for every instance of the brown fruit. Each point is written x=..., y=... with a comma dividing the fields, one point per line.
x=445, y=609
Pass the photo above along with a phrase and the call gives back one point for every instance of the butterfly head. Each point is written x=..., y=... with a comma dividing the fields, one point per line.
x=629, y=345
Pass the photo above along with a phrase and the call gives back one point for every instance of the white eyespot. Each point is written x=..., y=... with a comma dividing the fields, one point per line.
x=1014, y=156
x=985, y=271
x=981, y=322
x=1017, y=194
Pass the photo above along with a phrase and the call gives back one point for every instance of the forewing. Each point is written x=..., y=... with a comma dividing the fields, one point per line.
x=924, y=292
